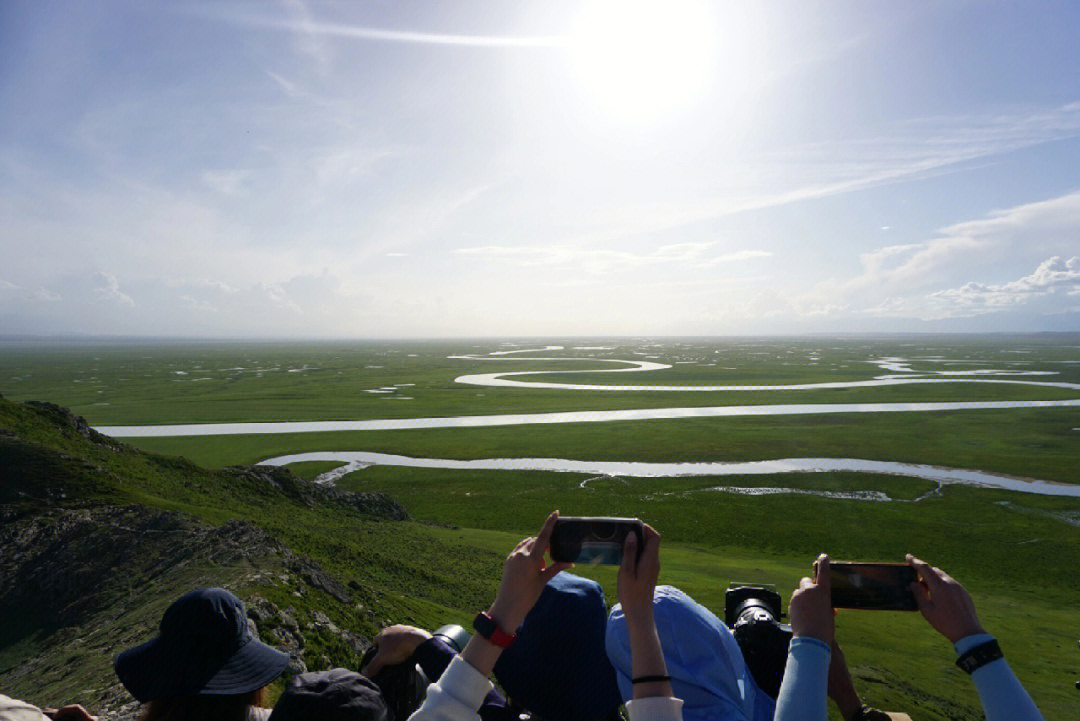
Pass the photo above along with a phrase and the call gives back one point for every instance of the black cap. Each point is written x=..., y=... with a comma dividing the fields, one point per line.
x=204, y=647
x=335, y=695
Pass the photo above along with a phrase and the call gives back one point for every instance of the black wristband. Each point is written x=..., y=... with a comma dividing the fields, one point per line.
x=979, y=656
x=651, y=679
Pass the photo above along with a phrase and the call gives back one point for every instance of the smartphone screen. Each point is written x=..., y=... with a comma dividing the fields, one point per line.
x=592, y=540
x=873, y=586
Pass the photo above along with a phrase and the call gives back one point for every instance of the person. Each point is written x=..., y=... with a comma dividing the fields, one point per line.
x=335, y=695
x=943, y=602
x=203, y=665
x=708, y=672
x=458, y=693
x=402, y=647
x=557, y=667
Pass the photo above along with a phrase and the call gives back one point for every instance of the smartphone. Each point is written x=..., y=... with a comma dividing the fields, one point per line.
x=592, y=540
x=873, y=586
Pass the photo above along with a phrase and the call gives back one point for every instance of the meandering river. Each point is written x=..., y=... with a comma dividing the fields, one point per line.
x=633, y=469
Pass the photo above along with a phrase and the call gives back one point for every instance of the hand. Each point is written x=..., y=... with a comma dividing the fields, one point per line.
x=944, y=602
x=637, y=576
x=810, y=607
x=395, y=645
x=524, y=576
x=73, y=712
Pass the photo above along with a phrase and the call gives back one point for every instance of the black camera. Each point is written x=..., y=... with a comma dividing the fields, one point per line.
x=753, y=615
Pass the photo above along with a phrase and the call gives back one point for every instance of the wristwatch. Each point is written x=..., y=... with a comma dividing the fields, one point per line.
x=979, y=656
x=485, y=626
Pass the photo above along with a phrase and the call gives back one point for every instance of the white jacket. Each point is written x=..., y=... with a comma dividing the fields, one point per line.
x=458, y=693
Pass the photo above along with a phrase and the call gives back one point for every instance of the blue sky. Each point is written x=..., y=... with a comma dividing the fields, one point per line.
x=407, y=169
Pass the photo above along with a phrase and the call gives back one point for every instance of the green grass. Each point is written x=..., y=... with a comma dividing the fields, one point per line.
x=141, y=383
x=1027, y=442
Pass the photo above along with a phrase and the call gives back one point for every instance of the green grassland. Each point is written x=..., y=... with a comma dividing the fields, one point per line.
x=135, y=383
x=1015, y=552
x=1034, y=443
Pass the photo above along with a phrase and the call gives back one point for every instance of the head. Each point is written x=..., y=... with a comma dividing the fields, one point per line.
x=335, y=695
x=204, y=659
x=222, y=707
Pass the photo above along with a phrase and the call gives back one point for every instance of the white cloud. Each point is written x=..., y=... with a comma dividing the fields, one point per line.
x=598, y=260
x=109, y=290
x=226, y=182
x=1053, y=276
x=5, y=285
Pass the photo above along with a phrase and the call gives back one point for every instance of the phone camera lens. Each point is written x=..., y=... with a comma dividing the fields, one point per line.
x=603, y=532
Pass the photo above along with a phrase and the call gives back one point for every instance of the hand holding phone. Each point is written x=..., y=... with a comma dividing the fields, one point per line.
x=592, y=540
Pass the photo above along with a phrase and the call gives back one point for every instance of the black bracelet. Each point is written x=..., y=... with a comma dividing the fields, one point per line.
x=651, y=679
x=979, y=656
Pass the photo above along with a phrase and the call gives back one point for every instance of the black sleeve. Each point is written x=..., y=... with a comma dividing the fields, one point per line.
x=434, y=656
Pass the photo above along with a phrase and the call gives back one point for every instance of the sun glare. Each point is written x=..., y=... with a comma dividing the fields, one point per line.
x=641, y=60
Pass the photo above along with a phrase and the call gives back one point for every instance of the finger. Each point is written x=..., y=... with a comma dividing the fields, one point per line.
x=805, y=583
x=374, y=666
x=822, y=578
x=544, y=538
x=926, y=573
x=922, y=596
x=629, y=555
x=550, y=572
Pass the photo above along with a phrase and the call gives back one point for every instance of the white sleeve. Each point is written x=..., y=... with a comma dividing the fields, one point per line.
x=655, y=708
x=456, y=696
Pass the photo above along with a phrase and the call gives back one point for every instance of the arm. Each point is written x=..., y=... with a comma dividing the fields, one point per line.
x=948, y=607
x=461, y=689
x=1002, y=696
x=803, y=693
x=653, y=700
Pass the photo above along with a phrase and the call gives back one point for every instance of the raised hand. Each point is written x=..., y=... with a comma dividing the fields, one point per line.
x=810, y=607
x=944, y=603
x=637, y=576
x=525, y=574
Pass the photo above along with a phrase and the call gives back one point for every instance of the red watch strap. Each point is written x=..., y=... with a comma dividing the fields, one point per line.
x=490, y=630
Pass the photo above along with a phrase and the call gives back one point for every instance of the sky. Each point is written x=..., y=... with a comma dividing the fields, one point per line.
x=410, y=169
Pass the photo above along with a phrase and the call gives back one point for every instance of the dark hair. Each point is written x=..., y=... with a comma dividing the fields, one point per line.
x=204, y=707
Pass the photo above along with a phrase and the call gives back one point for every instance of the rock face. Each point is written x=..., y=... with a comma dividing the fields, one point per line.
x=379, y=505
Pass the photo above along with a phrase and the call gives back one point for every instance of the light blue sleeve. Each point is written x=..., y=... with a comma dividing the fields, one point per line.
x=1002, y=696
x=804, y=692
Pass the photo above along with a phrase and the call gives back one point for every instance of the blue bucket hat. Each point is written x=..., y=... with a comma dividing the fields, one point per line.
x=203, y=647
x=557, y=667
x=703, y=659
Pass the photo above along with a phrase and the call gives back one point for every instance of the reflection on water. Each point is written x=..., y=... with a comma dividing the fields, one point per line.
x=938, y=474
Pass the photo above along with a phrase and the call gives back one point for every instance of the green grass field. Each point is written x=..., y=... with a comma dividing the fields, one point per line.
x=1014, y=551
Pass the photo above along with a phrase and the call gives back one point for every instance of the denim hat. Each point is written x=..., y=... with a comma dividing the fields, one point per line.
x=556, y=666
x=335, y=695
x=203, y=647
x=703, y=659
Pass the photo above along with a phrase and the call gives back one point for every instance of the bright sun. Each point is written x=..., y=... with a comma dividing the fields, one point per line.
x=642, y=60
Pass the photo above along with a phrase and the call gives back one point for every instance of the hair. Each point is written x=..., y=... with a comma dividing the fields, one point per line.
x=225, y=707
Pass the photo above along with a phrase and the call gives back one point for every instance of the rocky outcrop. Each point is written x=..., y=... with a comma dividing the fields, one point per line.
x=378, y=505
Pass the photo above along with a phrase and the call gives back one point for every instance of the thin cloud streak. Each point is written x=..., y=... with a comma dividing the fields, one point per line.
x=356, y=32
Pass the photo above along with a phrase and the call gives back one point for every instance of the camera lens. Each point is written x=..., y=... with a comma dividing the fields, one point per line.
x=603, y=532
